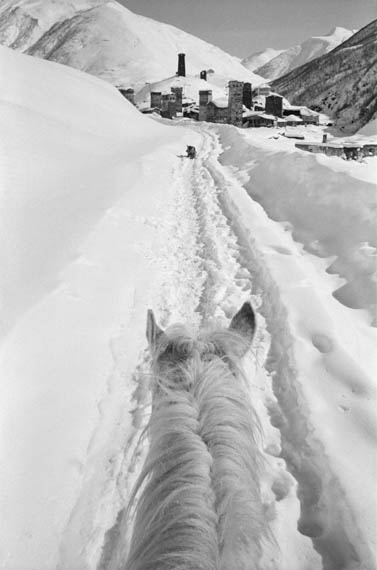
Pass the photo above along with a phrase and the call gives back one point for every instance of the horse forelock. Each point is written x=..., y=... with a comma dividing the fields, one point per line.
x=178, y=344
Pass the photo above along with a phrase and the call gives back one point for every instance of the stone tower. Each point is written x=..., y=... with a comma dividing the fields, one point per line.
x=274, y=105
x=178, y=92
x=156, y=99
x=204, y=98
x=181, y=65
x=235, y=103
x=168, y=106
x=247, y=98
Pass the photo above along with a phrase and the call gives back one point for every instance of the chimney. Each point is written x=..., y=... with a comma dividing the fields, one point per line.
x=181, y=65
x=324, y=138
x=203, y=75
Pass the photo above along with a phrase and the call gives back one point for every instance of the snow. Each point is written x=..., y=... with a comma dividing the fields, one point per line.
x=298, y=55
x=191, y=86
x=369, y=129
x=106, y=219
x=256, y=60
x=72, y=233
x=106, y=39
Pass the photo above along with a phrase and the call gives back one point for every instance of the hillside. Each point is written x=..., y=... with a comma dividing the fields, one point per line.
x=297, y=55
x=341, y=83
x=105, y=39
x=260, y=58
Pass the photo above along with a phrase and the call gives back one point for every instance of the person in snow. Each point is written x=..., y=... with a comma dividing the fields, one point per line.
x=191, y=151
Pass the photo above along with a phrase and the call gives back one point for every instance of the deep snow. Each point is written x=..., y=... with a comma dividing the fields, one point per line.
x=106, y=219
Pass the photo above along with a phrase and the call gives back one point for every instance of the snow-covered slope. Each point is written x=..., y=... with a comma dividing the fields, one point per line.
x=299, y=54
x=73, y=150
x=260, y=58
x=341, y=83
x=106, y=39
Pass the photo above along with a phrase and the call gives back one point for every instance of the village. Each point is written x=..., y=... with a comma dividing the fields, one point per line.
x=245, y=107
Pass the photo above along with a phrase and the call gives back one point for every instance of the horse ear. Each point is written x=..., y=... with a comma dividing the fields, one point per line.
x=153, y=330
x=244, y=323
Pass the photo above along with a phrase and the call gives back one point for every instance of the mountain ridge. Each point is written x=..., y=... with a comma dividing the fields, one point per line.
x=341, y=83
x=106, y=39
x=299, y=54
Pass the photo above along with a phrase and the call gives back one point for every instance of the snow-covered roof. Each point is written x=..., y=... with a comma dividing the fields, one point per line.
x=293, y=118
x=258, y=114
x=221, y=102
x=288, y=107
x=308, y=112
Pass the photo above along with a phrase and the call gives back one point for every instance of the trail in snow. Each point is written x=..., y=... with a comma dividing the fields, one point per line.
x=205, y=277
x=209, y=265
x=325, y=515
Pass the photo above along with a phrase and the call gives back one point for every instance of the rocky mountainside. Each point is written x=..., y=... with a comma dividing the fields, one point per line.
x=342, y=83
x=106, y=39
x=297, y=55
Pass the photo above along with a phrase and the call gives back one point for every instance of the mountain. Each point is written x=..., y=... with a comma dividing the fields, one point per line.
x=297, y=55
x=260, y=58
x=106, y=39
x=342, y=83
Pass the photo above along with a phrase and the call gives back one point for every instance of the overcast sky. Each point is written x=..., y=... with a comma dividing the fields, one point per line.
x=242, y=27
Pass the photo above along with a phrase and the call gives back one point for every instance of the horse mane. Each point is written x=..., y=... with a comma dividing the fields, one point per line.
x=197, y=499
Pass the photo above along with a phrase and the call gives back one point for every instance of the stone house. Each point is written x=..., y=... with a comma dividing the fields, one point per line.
x=217, y=111
x=257, y=119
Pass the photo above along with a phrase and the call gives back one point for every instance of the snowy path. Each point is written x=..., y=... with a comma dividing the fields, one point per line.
x=206, y=274
x=326, y=510
x=219, y=248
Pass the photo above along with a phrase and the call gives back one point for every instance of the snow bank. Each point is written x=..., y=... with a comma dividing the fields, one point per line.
x=310, y=220
x=76, y=165
x=329, y=203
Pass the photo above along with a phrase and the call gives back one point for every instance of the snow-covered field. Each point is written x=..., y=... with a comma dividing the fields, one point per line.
x=101, y=219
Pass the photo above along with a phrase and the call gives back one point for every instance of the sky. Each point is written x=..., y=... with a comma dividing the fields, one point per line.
x=242, y=27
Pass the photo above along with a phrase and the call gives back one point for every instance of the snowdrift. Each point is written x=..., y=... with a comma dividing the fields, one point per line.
x=330, y=205
x=75, y=251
